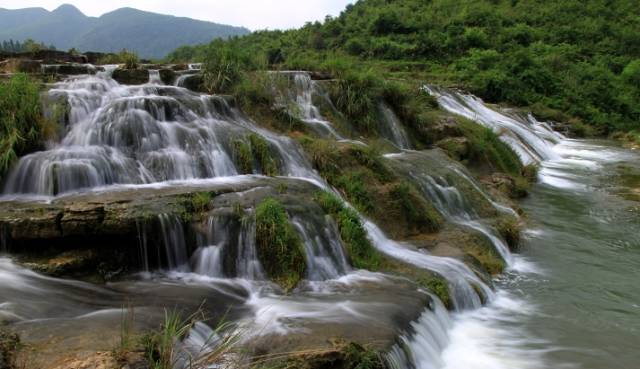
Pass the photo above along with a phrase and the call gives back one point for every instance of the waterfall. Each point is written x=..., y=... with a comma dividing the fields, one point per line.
x=533, y=141
x=460, y=278
x=152, y=133
x=174, y=242
x=424, y=348
x=154, y=77
x=142, y=134
x=392, y=128
x=299, y=102
x=326, y=257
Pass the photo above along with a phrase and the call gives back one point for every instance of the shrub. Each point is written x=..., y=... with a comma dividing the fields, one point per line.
x=279, y=247
x=225, y=63
x=22, y=127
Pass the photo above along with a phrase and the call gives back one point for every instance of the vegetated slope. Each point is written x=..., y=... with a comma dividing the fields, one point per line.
x=581, y=58
x=150, y=35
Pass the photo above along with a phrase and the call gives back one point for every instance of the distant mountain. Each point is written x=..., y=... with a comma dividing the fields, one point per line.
x=151, y=35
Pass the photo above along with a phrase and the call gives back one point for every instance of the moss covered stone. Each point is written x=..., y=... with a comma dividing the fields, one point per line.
x=280, y=249
x=254, y=152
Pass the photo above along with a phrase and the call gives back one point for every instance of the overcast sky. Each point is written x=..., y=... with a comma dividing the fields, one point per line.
x=253, y=14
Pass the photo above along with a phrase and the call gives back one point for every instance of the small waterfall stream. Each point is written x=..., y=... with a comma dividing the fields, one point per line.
x=392, y=128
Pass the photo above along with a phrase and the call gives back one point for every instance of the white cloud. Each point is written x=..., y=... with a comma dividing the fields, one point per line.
x=253, y=14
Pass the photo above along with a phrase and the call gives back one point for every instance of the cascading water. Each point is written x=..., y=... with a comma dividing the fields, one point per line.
x=533, y=141
x=173, y=239
x=323, y=262
x=154, y=77
x=299, y=101
x=392, y=128
x=133, y=135
x=153, y=133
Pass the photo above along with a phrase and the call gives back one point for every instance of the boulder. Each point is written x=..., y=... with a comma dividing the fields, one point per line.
x=192, y=82
x=168, y=76
x=456, y=147
x=131, y=76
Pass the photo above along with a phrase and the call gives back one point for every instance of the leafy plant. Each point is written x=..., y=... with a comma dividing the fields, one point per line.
x=21, y=121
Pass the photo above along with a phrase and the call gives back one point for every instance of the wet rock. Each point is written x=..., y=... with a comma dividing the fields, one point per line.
x=131, y=76
x=168, y=76
x=456, y=147
x=67, y=263
x=514, y=188
x=9, y=345
x=193, y=82
x=443, y=128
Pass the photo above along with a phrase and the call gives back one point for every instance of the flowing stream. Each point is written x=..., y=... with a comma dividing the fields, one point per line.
x=582, y=305
x=562, y=303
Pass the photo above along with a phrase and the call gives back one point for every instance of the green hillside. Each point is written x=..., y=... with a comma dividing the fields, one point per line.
x=567, y=60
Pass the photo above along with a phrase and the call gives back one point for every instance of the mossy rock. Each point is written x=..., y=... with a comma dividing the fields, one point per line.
x=509, y=228
x=280, y=249
x=253, y=154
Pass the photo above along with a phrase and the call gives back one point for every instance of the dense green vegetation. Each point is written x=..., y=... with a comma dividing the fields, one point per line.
x=567, y=60
x=279, y=247
x=22, y=127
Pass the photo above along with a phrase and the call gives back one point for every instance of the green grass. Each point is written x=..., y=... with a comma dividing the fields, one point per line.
x=129, y=59
x=360, y=250
x=439, y=287
x=201, y=201
x=280, y=248
x=486, y=148
x=162, y=347
x=254, y=150
x=22, y=126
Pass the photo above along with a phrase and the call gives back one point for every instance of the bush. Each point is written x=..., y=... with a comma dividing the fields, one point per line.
x=279, y=247
x=224, y=65
x=22, y=127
